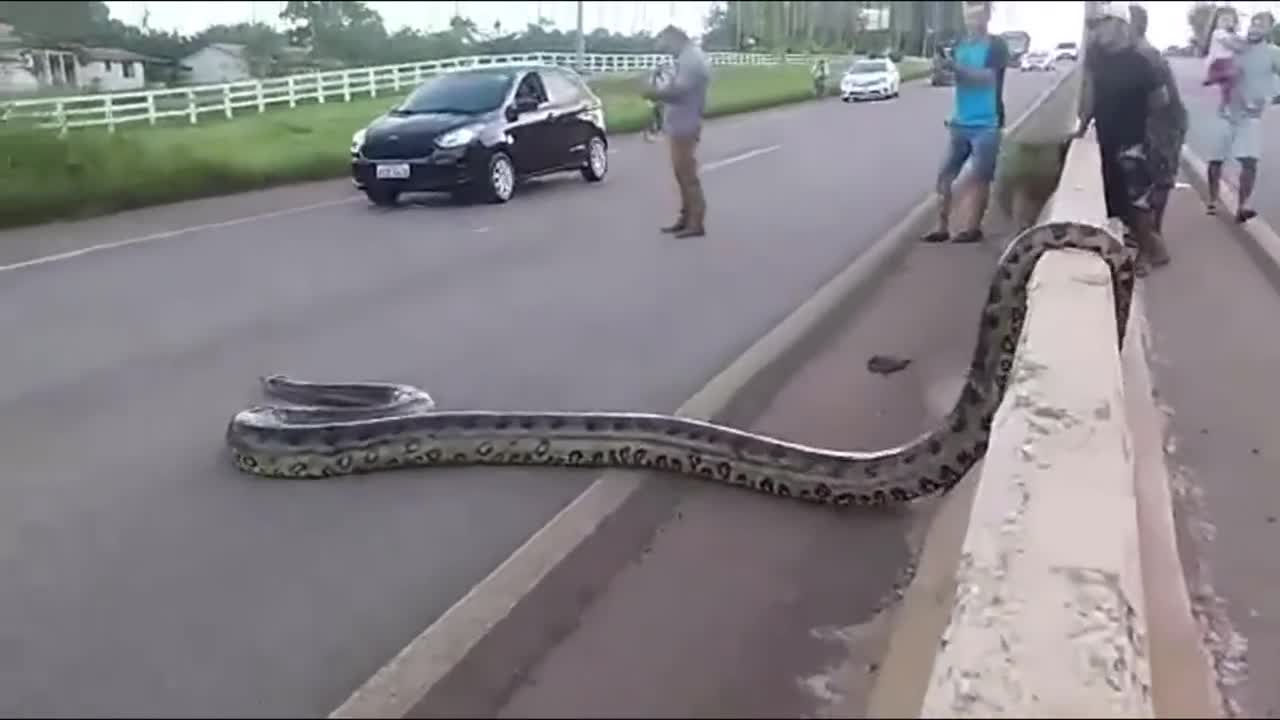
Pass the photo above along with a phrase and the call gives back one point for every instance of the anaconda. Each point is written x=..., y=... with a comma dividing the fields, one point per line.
x=339, y=429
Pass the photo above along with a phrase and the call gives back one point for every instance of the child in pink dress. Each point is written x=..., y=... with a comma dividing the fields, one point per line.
x=1224, y=43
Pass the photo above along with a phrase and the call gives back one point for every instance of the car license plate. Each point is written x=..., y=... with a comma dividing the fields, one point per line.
x=393, y=171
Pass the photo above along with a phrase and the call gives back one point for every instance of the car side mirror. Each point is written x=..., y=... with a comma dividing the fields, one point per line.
x=521, y=106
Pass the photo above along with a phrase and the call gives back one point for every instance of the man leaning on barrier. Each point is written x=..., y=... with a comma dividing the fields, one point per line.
x=978, y=61
x=1121, y=90
x=1166, y=127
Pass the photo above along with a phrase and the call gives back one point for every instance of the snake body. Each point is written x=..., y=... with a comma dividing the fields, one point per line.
x=339, y=429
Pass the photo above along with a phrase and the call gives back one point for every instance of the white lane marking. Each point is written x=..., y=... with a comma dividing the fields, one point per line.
x=708, y=167
x=174, y=233
x=483, y=229
x=725, y=162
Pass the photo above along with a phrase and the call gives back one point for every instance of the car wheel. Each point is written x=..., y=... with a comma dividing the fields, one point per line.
x=597, y=165
x=381, y=196
x=500, y=183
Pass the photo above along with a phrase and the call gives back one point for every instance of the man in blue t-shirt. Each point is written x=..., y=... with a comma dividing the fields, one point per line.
x=979, y=62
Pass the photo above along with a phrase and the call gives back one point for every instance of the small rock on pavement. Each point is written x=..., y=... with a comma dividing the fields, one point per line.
x=887, y=364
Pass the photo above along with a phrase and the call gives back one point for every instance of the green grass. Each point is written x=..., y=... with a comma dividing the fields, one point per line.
x=92, y=172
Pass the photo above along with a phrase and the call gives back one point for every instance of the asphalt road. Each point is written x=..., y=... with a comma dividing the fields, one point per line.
x=143, y=575
x=1216, y=374
x=681, y=630
x=1201, y=104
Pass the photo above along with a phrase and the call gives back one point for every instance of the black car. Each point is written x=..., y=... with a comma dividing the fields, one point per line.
x=940, y=74
x=476, y=132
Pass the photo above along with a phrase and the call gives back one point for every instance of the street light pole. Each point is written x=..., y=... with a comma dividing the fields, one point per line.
x=580, y=61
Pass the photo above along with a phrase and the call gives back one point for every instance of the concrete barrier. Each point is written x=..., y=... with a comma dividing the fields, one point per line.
x=1068, y=597
x=1049, y=617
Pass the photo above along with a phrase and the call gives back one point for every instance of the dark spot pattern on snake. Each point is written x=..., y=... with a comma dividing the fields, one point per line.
x=399, y=426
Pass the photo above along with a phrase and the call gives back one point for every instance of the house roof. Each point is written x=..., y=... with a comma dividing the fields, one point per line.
x=119, y=55
x=235, y=50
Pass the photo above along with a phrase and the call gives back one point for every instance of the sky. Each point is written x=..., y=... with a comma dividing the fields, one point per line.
x=1047, y=22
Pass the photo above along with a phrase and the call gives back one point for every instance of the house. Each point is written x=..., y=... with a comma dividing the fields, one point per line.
x=112, y=69
x=218, y=63
x=15, y=77
x=34, y=66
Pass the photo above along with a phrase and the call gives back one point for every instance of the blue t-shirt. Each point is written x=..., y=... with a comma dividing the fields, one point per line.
x=981, y=106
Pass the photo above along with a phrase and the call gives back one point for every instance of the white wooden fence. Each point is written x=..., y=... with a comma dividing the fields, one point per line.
x=229, y=99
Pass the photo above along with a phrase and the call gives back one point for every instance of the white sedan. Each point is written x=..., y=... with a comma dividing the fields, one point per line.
x=870, y=79
x=1038, y=61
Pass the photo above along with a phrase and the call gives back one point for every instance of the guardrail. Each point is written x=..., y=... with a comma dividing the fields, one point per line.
x=227, y=99
x=1067, y=574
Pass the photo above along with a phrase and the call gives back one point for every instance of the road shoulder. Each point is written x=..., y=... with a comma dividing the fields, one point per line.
x=1214, y=364
x=747, y=606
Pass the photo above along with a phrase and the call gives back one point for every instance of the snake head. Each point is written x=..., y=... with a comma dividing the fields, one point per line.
x=273, y=379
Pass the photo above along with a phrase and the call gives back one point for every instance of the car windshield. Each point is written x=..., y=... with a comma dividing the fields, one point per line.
x=1066, y=46
x=466, y=93
x=868, y=66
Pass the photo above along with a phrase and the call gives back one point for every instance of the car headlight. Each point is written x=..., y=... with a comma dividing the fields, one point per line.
x=457, y=138
x=357, y=141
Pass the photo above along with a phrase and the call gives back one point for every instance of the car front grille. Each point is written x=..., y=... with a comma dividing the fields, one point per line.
x=398, y=149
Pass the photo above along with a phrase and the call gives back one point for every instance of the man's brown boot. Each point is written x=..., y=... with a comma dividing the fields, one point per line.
x=675, y=227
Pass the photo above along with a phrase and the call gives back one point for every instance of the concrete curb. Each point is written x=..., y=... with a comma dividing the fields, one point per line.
x=466, y=661
x=1259, y=238
x=1184, y=684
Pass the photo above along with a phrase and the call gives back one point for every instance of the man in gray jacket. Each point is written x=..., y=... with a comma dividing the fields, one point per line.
x=684, y=99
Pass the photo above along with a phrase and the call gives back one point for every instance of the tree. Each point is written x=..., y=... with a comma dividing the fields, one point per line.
x=1198, y=19
x=464, y=29
x=337, y=29
x=56, y=21
x=817, y=26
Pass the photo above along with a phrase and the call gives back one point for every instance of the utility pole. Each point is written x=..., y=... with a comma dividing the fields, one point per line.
x=581, y=58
